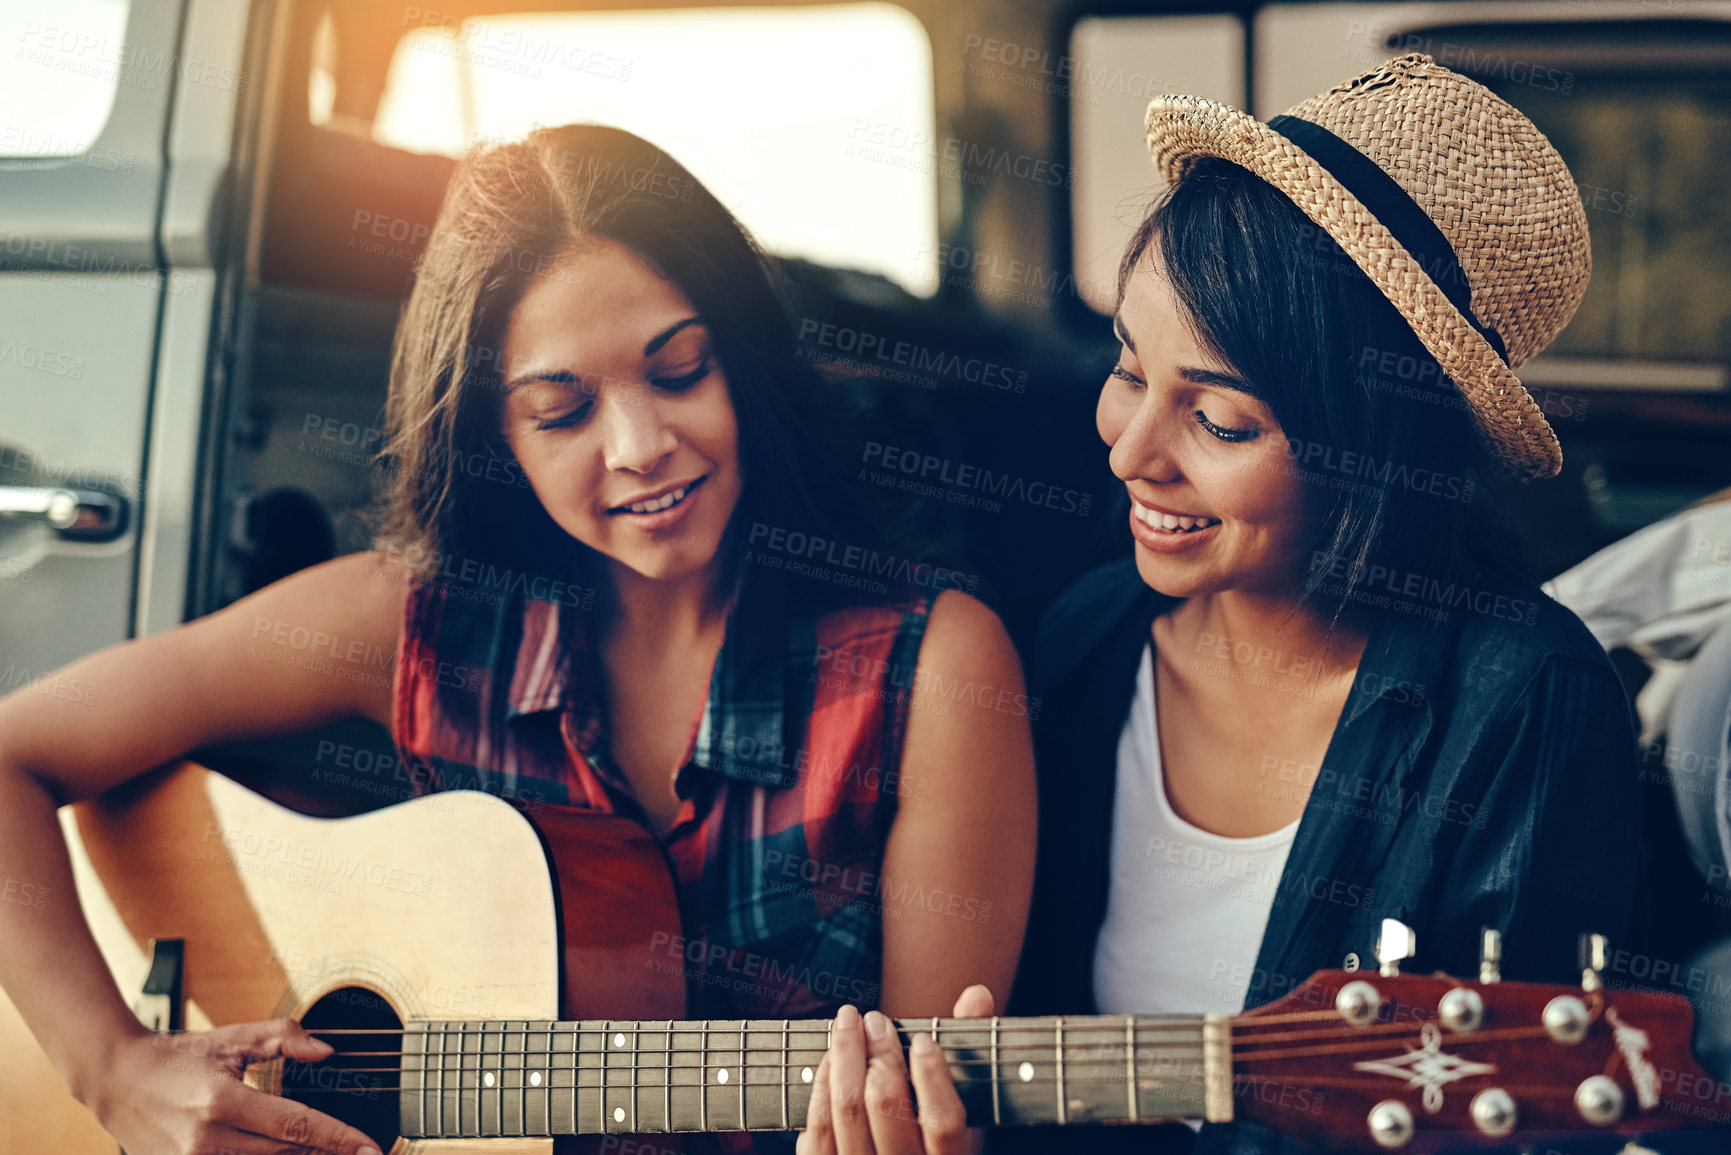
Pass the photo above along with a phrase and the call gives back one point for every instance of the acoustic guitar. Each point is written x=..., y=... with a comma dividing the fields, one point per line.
x=423, y=941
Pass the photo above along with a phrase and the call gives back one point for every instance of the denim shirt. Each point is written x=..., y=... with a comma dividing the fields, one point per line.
x=1482, y=773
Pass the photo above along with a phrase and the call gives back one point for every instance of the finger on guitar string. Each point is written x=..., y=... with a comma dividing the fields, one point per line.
x=229, y=1141
x=942, y=1118
x=818, y=1138
x=847, y=1071
x=889, y=1108
x=271, y=1123
x=240, y=1045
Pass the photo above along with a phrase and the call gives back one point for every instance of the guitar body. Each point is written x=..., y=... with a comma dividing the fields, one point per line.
x=448, y=907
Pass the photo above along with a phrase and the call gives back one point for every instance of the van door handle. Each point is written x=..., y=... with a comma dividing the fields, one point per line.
x=81, y=514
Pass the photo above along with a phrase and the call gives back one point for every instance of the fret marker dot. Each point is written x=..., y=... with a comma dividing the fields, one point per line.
x=619, y=1114
x=1026, y=1071
x=619, y=1040
x=486, y=1078
x=721, y=1075
x=805, y=1075
x=534, y=1078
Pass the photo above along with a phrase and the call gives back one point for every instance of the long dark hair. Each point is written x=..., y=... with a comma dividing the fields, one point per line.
x=511, y=212
x=1394, y=467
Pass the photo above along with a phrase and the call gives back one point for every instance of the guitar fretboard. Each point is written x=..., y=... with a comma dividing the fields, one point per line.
x=529, y=1079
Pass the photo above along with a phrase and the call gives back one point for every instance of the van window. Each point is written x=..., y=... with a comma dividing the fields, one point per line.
x=63, y=60
x=1115, y=66
x=814, y=125
x=1651, y=156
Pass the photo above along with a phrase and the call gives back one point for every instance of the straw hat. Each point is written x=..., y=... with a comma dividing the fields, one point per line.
x=1453, y=204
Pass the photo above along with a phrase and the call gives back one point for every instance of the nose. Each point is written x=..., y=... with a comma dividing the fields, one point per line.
x=636, y=438
x=1144, y=446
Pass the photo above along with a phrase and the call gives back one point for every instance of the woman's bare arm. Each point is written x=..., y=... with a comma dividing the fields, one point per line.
x=959, y=866
x=301, y=653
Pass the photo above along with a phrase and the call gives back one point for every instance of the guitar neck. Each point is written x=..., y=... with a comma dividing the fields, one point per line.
x=510, y=1079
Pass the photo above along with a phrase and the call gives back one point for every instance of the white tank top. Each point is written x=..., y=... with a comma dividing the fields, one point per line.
x=1186, y=911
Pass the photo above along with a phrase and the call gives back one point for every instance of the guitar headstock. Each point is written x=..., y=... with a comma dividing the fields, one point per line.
x=1383, y=1061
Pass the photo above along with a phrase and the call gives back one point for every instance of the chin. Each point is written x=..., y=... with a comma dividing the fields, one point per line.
x=1174, y=579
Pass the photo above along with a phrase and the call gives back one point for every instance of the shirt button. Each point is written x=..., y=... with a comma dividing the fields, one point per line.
x=1351, y=961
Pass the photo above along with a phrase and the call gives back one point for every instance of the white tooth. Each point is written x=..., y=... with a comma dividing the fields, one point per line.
x=1186, y=522
x=1167, y=521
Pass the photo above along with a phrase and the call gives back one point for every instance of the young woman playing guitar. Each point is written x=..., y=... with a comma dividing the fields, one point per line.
x=596, y=405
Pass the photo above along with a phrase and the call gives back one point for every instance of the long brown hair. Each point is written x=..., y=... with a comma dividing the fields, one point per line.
x=512, y=211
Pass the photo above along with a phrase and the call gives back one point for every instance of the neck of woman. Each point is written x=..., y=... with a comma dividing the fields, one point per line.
x=650, y=608
x=1257, y=629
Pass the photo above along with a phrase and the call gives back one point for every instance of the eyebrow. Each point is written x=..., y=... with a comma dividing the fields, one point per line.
x=1193, y=374
x=654, y=344
x=566, y=377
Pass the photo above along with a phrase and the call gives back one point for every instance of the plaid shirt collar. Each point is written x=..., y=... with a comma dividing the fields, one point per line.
x=742, y=733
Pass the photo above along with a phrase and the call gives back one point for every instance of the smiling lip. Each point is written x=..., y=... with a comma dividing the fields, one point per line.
x=684, y=489
x=1169, y=520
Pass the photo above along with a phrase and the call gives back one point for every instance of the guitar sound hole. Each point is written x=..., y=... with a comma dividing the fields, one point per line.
x=358, y=1083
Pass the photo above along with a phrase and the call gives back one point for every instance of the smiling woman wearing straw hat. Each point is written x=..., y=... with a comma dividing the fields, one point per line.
x=1318, y=695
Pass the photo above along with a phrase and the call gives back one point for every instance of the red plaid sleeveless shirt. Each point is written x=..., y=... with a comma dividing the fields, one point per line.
x=789, y=786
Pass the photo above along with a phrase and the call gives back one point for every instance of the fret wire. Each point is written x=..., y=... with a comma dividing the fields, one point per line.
x=1063, y=1111
x=667, y=1082
x=636, y=1054
x=1130, y=1067
x=742, y=1029
x=786, y=1088
x=459, y=1079
x=703, y=1082
x=576, y=1050
x=996, y=1117
x=606, y=1037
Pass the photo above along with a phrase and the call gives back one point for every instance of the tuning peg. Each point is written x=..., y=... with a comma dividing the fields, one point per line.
x=1595, y=956
x=1395, y=944
x=1490, y=955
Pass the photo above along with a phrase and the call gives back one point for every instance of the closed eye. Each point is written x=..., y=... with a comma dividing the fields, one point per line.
x=1224, y=433
x=687, y=380
x=1124, y=374
x=565, y=421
